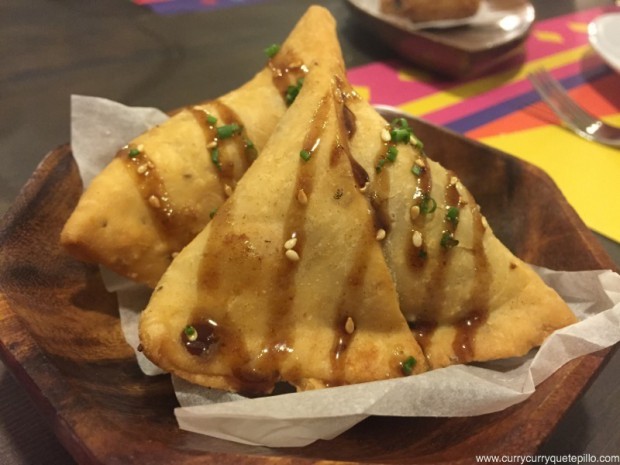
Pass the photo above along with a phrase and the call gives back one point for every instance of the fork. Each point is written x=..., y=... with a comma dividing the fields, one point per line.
x=572, y=114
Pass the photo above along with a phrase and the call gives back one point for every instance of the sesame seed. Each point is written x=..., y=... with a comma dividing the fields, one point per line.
x=417, y=239
x=381, y=234
x=228, y=190
x=142, y=169
x=420, y=162
x=349, y=326
x=414, y=212
x=292, y=242
x=212, y=144
x=302, y=198
x=364, y=188
x=453, y=180
x=292, y=255
x=385, y=135
x=140, y=147
x=154, y=201
x=150, y=164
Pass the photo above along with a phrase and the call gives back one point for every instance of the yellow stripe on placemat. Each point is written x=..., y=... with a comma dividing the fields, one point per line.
x=587, y=173
x=454, y=95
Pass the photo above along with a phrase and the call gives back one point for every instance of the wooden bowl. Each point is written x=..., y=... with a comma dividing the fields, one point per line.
x=60, y=333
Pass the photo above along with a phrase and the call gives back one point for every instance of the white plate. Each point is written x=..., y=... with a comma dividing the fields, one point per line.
x=604, y=35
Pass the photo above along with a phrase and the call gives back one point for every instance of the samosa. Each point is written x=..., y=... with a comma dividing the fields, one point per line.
x=164, y=186
x=288, y=282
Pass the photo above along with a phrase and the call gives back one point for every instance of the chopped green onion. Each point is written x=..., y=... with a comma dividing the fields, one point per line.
x=399, y=123
x=212, y=213
x=453, y=215
x=211, y=119
x=249, y=145
x=448, y=241
x=293, y=91
x=428, y=205
x=407, y=365
x=418, y=170
x=228, y=130
x=379, y=166
x=417, y=143
x=190, y=333
x=423, y=254
x=215, y=158
x=272, y=50
x=305, y=155
x=392, y=152
x=401, y=135
x=133, y=153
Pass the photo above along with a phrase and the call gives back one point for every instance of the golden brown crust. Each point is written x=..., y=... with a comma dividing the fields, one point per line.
x=430, y=10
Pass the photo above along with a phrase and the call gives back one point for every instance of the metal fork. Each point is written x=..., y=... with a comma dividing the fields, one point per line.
x=570, y=113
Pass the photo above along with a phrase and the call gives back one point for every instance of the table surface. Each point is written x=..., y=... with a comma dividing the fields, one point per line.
x=128, y=53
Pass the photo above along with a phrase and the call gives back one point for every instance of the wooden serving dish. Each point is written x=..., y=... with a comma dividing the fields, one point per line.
x=60, y=333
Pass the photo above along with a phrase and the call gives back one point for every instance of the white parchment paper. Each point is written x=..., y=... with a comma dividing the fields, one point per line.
x=101, y=127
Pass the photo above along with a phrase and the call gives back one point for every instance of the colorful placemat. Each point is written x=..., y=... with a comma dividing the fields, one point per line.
x=166, y=7
x=502, y=110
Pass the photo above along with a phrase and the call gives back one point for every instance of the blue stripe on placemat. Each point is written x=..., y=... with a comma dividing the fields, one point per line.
x=519, y=102
x=185, y=6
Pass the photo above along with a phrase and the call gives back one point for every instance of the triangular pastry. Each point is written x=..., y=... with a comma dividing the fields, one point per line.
x=466, y=296
x=160, y=190
x=288, y=281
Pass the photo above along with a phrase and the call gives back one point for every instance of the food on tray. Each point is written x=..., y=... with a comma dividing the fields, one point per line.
x=304, y=239
x=343, y=251
x=288, y=281
x=430, y=10
x=164, y=186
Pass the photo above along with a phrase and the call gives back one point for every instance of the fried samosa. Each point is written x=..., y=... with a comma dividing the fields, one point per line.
x=163, y=187
x=465, y=295
x=288, y=281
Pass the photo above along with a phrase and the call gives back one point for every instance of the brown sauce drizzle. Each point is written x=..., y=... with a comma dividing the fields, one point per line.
x=286, y=70
x=418, y=255
x=226, y=147
x=206, y=336
x=478, y=302
x=169, y=221
x=423, y=332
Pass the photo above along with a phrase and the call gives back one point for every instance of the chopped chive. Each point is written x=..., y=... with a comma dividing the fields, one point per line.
x=417, y=143
x=293, y=91
x=402, y=135
x=190, y=333
x=399, y=123
x=211, y=119
x=428, y=205
x=133, y=153
x=453, y=215
x=215, y=158
x=228, y=130
x=249, y=145
x=392, y=152
x=417, y=170
x=448, y=241
x=379, y=166
x=272, y=50
x=407, y=365
x=305, y=155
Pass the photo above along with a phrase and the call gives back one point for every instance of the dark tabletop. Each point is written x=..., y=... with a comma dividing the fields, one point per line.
x=51, y=49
